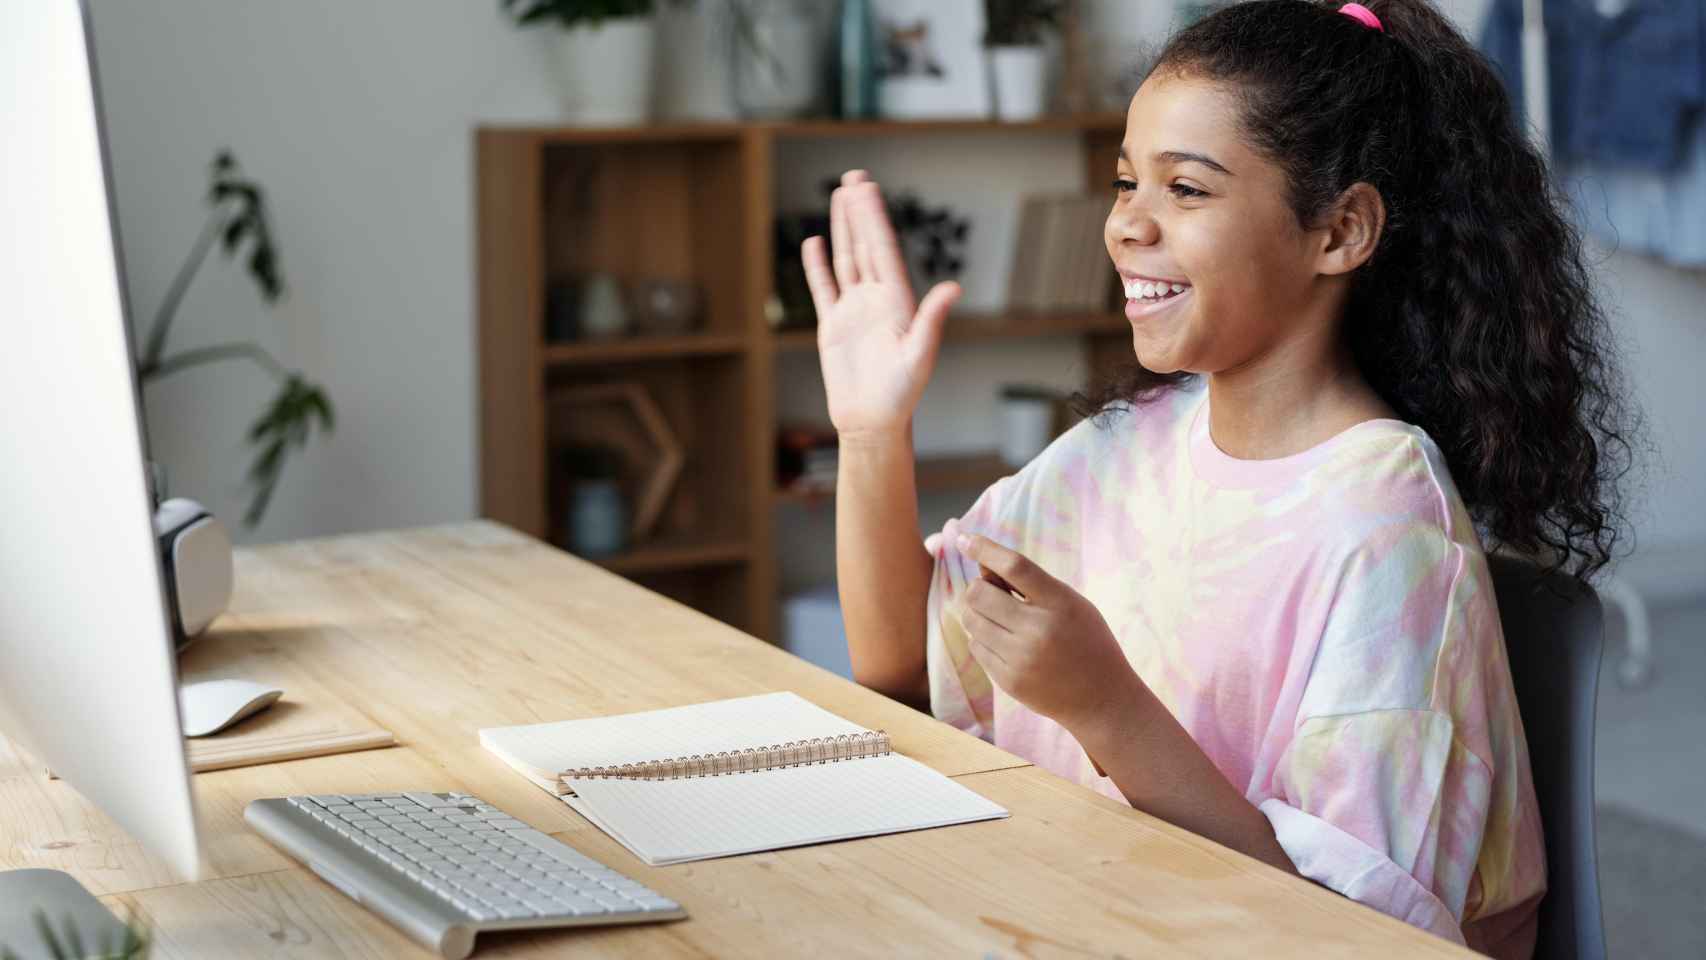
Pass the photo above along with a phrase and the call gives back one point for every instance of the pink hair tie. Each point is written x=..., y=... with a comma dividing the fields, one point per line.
x=1363, y=15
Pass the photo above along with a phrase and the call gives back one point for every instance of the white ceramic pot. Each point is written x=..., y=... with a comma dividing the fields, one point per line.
x=605, y=72
x=1019, y=77
x=1027, y=427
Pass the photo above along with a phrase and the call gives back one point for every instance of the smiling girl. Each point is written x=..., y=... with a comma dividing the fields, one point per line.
x=1249, y=595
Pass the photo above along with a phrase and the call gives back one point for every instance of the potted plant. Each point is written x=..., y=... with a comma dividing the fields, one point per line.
x=1018, y=65
x=603, y=55
x=238, y=221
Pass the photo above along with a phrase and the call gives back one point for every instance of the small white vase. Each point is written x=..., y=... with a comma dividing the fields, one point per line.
x=605, y=72
x=603, y=314
x=1019, y=78
x=1027, y=427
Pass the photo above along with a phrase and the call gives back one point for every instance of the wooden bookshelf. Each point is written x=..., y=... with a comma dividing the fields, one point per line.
x=966, y=471
x=688, y=201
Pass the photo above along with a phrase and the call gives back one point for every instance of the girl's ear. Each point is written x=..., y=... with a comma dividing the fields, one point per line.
x=1353, y=229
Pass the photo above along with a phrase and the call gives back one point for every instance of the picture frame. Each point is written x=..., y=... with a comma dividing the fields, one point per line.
x=930, y=59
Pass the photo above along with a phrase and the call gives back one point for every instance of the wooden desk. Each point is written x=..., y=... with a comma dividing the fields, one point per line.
x=437, y=632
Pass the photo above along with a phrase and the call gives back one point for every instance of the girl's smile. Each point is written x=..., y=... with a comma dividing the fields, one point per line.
x=1147, y=297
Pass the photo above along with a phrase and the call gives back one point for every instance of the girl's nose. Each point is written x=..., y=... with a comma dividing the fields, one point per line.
x=1130, y=223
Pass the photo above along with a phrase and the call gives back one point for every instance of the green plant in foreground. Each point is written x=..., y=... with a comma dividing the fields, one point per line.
x=133, y=945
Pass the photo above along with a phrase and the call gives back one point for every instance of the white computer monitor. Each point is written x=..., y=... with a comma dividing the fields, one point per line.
x=87, y=672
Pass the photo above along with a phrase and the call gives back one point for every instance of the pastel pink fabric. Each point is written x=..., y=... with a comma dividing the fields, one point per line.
x=1322, y=624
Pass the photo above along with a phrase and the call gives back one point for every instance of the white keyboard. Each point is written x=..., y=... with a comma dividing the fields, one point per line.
x=444, y=866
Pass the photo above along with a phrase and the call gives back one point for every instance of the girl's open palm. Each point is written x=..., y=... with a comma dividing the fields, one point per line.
x=876, y=348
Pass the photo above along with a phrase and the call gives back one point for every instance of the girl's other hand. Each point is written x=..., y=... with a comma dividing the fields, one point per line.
x=877, y=349
x=1043, y=642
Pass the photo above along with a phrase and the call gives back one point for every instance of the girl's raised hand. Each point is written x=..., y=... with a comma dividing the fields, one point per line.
x=877, y=349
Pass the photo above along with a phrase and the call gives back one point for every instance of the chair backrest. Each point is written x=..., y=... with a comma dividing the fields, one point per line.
x=1554, y=631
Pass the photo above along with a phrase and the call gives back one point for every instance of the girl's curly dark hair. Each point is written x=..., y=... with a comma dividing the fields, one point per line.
x=1474, y=319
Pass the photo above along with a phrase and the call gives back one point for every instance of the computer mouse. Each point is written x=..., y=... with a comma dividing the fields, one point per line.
x=209, y=706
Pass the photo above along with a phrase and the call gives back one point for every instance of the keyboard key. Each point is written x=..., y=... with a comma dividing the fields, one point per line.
x=430, y=799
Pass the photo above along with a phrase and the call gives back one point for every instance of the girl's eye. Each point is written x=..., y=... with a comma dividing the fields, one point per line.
x=1123, y=185
x=1186, y=192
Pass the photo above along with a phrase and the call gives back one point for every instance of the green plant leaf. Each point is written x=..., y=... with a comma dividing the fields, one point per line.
x=248, y=223
x=288, y=421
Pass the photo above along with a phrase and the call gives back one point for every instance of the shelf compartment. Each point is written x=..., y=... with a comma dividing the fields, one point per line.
x=996, y=325
x=671, y=554
x=719, y=591
x=962, y=471
x=637, y=208
x=641, y=348
x=705, y=516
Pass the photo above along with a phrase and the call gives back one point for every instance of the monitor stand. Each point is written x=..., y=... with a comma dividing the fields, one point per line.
x=25, y=893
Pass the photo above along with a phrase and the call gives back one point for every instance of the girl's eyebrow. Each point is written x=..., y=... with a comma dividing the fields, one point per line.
x=1182, y=156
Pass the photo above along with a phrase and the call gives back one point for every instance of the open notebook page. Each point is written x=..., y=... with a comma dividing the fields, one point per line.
x=540, y=750
x=672, y=821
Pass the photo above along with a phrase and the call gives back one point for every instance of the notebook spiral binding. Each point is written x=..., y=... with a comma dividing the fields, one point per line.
x=794, y=753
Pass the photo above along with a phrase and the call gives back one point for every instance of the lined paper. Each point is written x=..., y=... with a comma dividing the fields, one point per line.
x=674, y=821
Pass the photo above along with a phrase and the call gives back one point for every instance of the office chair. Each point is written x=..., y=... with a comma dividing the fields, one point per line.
x=1554, y=632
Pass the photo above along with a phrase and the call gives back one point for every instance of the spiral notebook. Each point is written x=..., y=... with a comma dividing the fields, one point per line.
x=733, y=776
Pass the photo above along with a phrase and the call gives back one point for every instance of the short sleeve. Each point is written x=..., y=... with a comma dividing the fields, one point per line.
x=961, y=693
x=1388, y=808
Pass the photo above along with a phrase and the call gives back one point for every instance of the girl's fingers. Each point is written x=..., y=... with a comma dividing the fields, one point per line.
x=841, y=240
x=986, y=634
x=854, y=176
x=994, y=602
x=864, y=208
x=932, y=317
x=1011, y=566
x=989, y=660
x=871, y=223
x=818, y=276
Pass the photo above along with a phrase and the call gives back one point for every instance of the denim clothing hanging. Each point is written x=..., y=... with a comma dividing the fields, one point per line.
x=1628, y=98
x=1626, y=89
x=1638, y=211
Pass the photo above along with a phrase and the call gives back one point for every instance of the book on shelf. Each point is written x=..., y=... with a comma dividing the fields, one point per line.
x=1060, y=262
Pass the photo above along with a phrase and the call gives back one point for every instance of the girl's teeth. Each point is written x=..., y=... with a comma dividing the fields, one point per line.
x=1147, y=290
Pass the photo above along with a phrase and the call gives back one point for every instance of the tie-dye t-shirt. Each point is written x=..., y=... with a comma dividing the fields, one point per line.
x=1323, y=624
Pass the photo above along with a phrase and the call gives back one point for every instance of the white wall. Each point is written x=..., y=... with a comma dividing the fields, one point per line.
x=357, y=117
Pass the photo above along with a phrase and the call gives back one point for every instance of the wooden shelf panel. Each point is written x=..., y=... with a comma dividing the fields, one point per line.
x=1106, y=122
x=968, y=471
x=642, y=348
x=994, y=326
x=1110, y=122
x=674, y=553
